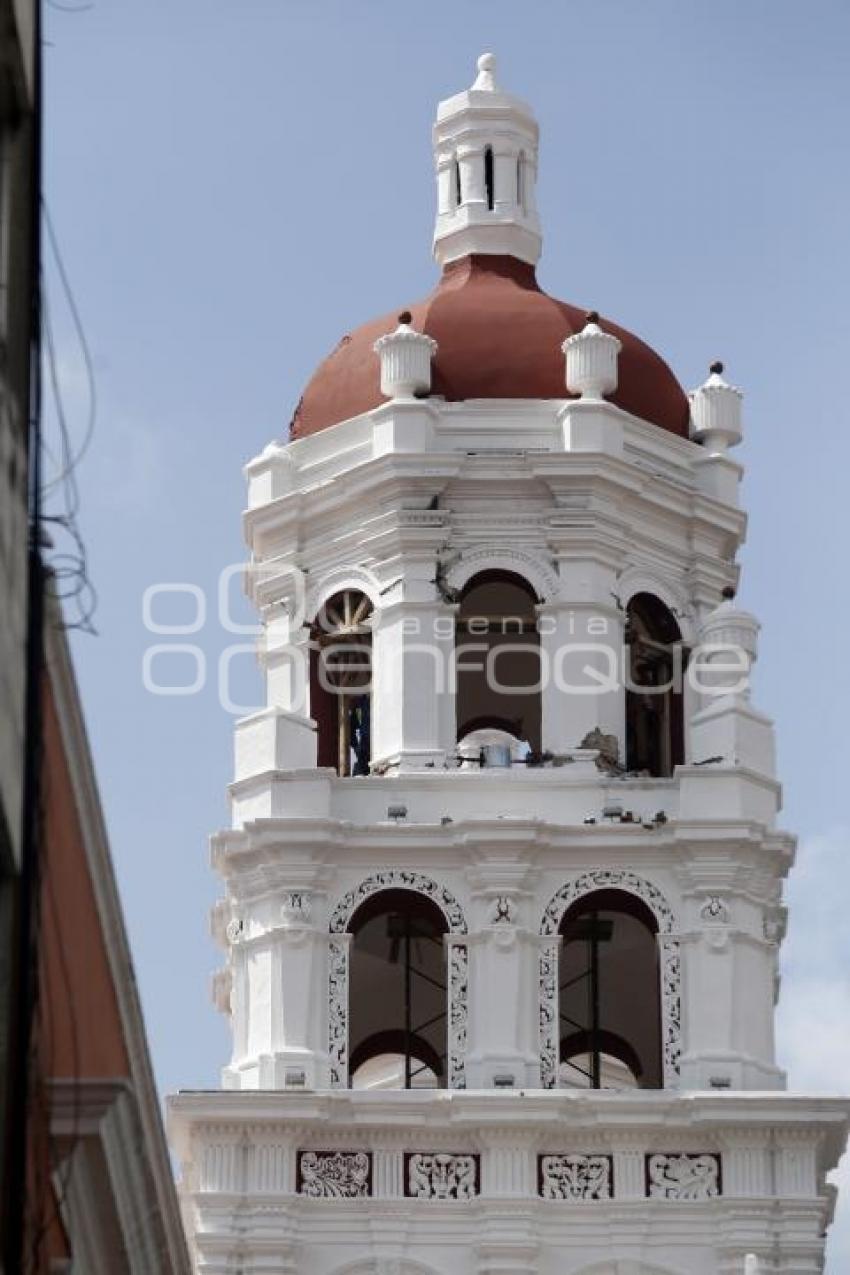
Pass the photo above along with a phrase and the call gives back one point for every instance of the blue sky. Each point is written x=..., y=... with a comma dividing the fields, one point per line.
x=235, y=185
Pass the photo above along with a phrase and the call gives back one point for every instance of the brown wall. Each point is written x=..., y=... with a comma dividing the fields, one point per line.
x=80, y=1018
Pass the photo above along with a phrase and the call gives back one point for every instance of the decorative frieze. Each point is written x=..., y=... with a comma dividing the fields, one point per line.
x=683, y=1176
x=334, y=1175
x=575, y=1177
x=441, y=1175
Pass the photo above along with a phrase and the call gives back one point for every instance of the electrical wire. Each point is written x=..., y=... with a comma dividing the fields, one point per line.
x=74, y=311
x=69, y=564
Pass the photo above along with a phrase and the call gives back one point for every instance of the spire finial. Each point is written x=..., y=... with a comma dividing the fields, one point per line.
x=486, y=78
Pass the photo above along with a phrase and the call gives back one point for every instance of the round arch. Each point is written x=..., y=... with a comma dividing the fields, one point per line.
x=337, y=580
x=473, y=562
x=636, y=580
x=670, y=966
x=399, y=879
x=457, y=969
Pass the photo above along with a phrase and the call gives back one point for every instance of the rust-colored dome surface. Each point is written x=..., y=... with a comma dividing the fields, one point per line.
x=499, y=336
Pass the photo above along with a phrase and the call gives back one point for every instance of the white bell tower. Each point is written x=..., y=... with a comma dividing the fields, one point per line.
x=502, y=893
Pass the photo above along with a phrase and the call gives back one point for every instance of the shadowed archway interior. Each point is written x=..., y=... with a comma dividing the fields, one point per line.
x=609, y=994
x=498, y=658
x=397, y=992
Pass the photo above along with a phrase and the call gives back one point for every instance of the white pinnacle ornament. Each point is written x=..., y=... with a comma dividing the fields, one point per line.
x=716, y=412
x=729, y=641
x=405, y=356
x=591, y=355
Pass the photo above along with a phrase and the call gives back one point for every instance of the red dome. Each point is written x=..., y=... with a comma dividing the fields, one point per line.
x=499, y=336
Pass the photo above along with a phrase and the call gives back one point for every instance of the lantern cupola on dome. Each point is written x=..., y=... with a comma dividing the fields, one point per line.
x=485, y=151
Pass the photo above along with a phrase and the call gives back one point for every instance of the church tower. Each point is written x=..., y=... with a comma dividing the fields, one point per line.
x=503, y=888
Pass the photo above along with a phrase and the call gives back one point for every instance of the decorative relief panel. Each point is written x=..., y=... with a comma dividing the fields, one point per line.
x=458, y=969
x=575, y=1177
x=458, y=991
x=334, y=1175
x=683, y=1177
x=670, y=961
x=338, y=1012
x=548, y=1015
x=441, y=1175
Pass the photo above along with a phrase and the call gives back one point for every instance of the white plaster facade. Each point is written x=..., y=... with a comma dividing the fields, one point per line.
x=591, y=506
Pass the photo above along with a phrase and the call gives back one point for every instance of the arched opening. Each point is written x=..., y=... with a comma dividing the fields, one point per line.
x=458, y=192
x=397, y=993
x=655, y=736
x=609, y=994
x=489, y=178
x=497, y=654
x=341, y=682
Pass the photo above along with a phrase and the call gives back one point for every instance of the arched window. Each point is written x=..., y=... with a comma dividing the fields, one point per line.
x=609, y=994
x=341, y=682
x=489, y=178
x=397, y=993
x=655, y=741
x=497, y=652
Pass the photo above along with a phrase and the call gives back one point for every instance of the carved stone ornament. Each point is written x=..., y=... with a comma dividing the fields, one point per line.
x=575, y=1177
x=295, y=909
x=670, y=964
x=458, y=1013
x=334, y=1175
x=235, y=930
x=714, y=909
x=441, y=1175
x=502, y=911
x=683, y=1177
x=338, y=1012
